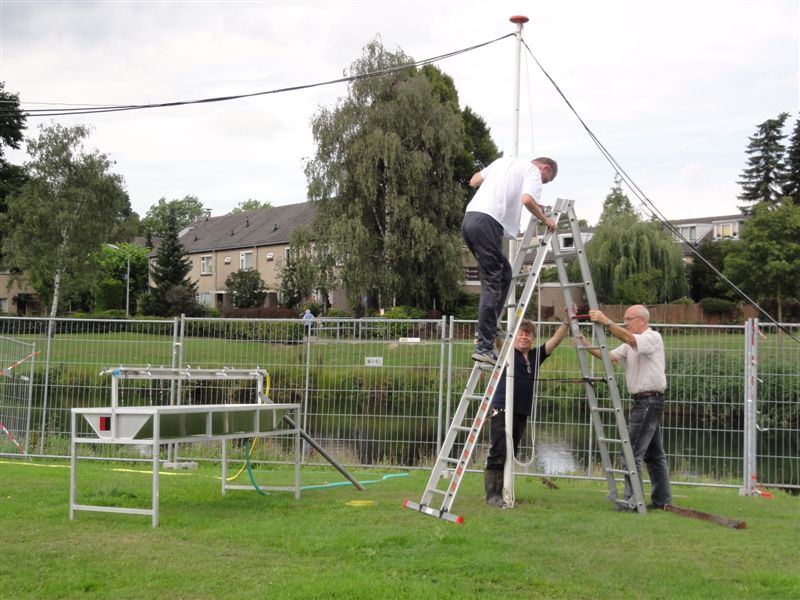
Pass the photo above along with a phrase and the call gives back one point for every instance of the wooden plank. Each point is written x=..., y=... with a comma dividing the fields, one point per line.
x=703, y=516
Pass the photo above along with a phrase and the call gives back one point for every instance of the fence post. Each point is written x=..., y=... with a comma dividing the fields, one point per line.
x=750, y=409
x=30, y=397
x=442, y=369
x=449, y=373
x=50, y=326
x=303, y=418
x=177, y=347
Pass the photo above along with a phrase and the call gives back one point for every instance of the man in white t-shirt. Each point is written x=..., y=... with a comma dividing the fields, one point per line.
x=642, y=353
x=504, y=187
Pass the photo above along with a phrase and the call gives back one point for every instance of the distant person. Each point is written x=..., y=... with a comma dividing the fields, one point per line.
x=308, y=321
x=642, y=353
x=526, y=369
x=504, y=187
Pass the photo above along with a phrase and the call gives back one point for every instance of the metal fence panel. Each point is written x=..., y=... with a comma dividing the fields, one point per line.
x=17, y=360
x=381, y=392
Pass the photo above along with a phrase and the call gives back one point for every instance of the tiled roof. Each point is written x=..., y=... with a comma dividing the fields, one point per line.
x=262, y=227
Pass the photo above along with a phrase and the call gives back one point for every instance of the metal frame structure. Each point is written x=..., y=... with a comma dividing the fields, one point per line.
x=156, y=425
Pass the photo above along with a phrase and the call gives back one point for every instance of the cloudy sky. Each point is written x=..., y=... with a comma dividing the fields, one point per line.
x=672, y=89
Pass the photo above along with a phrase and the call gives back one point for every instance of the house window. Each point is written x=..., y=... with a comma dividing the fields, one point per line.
x=3, y=305
x=245, y=261
x=726, y=230
x=286, y=255
x=689, y=232
x=206, y=298
x=206, y=265
x=471, y=273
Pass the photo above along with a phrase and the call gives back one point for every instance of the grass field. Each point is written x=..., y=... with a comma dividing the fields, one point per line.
x=565, y=543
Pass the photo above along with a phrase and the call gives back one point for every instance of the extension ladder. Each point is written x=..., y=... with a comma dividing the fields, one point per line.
x=459, y=444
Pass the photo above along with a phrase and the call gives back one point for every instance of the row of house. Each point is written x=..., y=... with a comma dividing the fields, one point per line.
x=219, y=246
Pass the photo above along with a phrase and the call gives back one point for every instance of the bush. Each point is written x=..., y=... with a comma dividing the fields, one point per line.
x=683, y=300
x=717, y=306
x=263, y=312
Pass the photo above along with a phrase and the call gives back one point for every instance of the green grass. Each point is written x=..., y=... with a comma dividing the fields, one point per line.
x=564, y=543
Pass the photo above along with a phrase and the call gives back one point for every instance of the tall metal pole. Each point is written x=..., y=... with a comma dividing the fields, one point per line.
x=128, y=289
x=508, y=470
x=519, y=21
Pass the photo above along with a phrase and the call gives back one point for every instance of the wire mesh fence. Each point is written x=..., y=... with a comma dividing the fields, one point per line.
x=382, y=392
x=17, y=361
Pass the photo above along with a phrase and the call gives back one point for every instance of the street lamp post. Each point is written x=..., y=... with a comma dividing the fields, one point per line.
x=127, y=279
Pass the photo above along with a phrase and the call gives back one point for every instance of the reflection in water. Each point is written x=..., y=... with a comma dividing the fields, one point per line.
x=554, y=456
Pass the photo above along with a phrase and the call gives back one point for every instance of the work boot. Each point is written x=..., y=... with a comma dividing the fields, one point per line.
x=493, y=483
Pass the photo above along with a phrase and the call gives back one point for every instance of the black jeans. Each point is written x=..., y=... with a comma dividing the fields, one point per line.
x=497, y=451
x=647, y=446
x=484, y=237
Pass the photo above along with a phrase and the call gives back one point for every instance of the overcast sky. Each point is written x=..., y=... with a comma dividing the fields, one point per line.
x=672, y=89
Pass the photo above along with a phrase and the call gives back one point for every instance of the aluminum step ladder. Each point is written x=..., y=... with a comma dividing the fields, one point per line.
x=459, y=444
x=607, y=414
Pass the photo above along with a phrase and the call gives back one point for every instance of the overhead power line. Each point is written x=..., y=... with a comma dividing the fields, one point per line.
x=650, y=206
x=89, y=109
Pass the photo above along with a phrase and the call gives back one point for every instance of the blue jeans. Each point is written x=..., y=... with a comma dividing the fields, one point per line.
x=646, y=444
x=484, y=237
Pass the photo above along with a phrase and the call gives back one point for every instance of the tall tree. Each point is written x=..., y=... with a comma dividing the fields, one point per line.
x=70, y=206
x=791, y=187
x=12, y=124
x=633, y=261
x=703, y=281
x=766, y=260
x=249, y=205
x=304, y=270
x=174, y=293
x=765, y=173
x=111, y=291
x=389, y=207
x=186, y=211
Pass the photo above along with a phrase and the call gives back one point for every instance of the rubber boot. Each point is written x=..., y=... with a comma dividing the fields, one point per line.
x=493, y=484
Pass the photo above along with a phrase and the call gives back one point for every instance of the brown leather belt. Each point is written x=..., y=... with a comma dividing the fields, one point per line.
x=643, y=395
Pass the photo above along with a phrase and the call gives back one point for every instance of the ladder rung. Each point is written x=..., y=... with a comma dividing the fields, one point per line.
x=605, y=410
x=438, y=491
x=521, y=276
x=461, y=428
x=609, y=440
x=582, y=347
x=451, y=460
x=473, y=396
x=618, y=471
x=574, y=284
x=486, y=367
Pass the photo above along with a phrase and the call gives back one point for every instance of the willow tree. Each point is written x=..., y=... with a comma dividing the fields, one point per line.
x=389, y=207
x=633, y=261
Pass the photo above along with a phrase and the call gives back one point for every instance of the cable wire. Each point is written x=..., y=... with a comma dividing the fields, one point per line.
x=649, y=205
x=95, y=109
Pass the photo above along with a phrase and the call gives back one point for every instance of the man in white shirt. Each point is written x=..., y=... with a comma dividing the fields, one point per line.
x=642, y=353
x=504, y=187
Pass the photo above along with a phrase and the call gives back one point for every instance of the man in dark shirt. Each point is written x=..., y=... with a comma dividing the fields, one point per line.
x=526, y=367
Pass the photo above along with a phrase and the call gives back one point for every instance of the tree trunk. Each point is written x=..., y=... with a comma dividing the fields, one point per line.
x=56, y=290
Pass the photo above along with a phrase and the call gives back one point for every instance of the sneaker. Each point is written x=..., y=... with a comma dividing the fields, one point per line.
x=485, y=356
